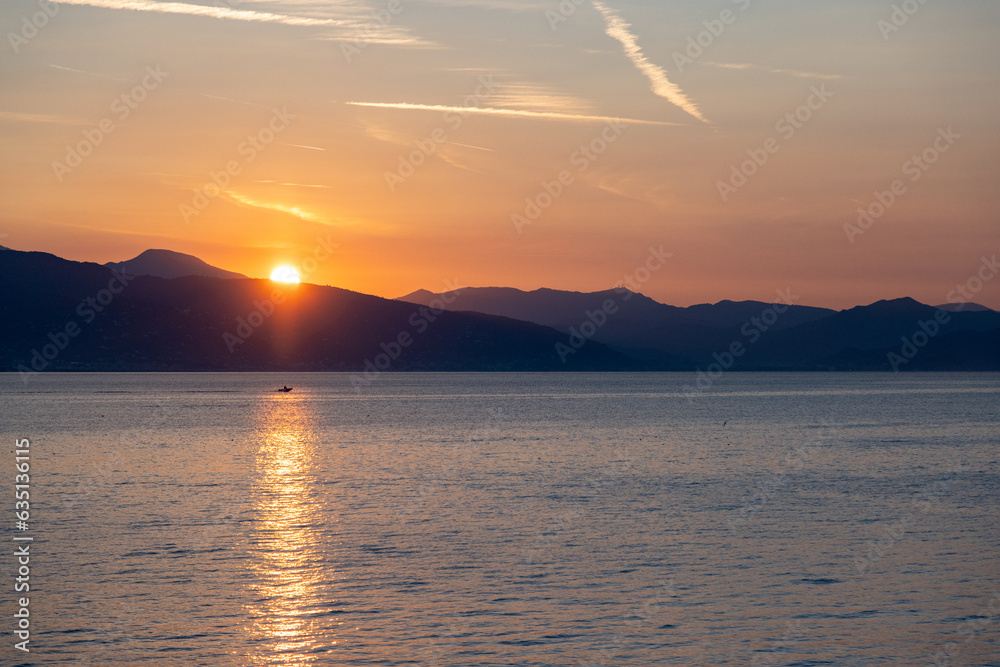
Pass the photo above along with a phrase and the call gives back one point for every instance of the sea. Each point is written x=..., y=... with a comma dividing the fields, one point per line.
x=503, y=519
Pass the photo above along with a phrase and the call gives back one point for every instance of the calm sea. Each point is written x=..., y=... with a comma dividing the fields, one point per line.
x=495, y=519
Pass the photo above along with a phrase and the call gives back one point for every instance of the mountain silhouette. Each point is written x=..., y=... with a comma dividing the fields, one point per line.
x=57, y=314
x=880, y=326
x=656, y=333
x=767, y=337
x=170, y=264
x=967, y=307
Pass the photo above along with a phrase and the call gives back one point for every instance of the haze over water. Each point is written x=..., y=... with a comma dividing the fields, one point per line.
x=511, y=519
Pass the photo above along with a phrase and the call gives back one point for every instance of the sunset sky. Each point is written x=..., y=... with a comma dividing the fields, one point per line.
x=342, y=122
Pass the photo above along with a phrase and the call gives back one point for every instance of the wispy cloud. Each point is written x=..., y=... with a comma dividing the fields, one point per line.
x=790, y=72
x=382, y=133
x=297, y=211
x=80, y=71
x=512, y=113
x=618, y=29
x=295, y=185
x=283, y=208
x=536, y=97
x=455, y=162
x=17, y=117
x=205, y=10
x=229, y=99
x=385, y=35
x=524, y=6
x=349, y=19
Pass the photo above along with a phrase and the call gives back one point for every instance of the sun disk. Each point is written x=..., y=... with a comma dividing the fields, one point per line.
x=285, y=274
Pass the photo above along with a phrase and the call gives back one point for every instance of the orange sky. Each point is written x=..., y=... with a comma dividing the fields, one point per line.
x=163, y=97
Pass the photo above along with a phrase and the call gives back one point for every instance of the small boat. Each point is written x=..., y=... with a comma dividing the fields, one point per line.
x=286, y=388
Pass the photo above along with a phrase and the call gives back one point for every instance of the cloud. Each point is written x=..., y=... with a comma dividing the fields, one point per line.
x=16, y=117
x=478, y=148
x=291, y=210
x=512, y=113
x=312, y=148
x=80, y=71
x=618, y=29
x=455, y=162
x=523, y=6
x=386, y=35
x=294, y=185
x=204, y=10
x=229, y=99
x=536, y=97
x=297, y=211
x=402, y=138
x=790, y=72
x=350, y=19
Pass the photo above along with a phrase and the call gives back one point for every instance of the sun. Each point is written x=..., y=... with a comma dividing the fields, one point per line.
x=285, y=274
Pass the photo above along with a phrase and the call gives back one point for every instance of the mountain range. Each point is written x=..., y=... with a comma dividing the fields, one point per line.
x=759, y=336
x=169, y=311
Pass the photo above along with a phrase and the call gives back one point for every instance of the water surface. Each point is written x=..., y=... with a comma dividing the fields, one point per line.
x=510, y=519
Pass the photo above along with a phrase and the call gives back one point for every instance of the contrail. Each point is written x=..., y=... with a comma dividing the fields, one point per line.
x=295, y=185
x=18, y=117
x=478, y=148
x=790, y=72
x=413, y=136
x=312, y=148
x=515, y=113
x=80, y=71
x=617, y=29
x=201, y=10
x=229, y=99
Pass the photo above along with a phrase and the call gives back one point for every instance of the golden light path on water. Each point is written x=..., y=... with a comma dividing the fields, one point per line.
x=286, y=551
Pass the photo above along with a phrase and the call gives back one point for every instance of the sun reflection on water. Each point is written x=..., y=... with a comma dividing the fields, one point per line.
x=285, y=546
